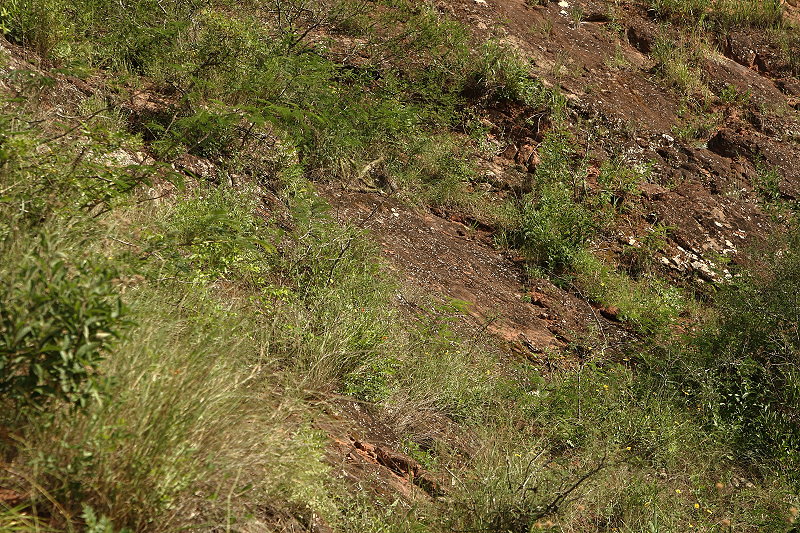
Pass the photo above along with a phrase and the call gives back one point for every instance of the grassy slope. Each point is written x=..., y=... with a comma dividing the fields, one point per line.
x=247, y=308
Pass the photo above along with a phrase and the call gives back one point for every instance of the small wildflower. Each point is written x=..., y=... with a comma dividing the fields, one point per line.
x=677, y=491
x=628, y=448
x=697, y=506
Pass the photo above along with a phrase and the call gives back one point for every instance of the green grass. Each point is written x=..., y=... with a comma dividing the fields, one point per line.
x=251, y=311
x=649, y=304
x=680, y=65
x=726, y=14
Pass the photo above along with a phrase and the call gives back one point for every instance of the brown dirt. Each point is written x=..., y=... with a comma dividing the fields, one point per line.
x=704, y=189
x=447, y=258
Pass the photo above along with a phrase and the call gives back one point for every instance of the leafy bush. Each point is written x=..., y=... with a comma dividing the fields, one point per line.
x=553, y=225
x=58, y=319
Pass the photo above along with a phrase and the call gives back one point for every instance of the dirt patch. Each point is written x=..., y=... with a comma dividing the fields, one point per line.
x=447, y=258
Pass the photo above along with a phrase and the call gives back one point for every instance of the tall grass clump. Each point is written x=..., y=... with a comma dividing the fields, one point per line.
x=762, y=14
x=679, y=64
x=682, y=10
x=187, y=425
x=724, y=14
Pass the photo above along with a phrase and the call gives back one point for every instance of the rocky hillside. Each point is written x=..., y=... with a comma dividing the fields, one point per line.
x=398, y=266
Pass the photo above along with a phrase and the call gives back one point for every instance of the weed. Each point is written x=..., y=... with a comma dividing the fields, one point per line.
x=682, y=10
x=618, y=60
x=619, y=183
x=767, y=185
x=732, y=96
x=679, y=66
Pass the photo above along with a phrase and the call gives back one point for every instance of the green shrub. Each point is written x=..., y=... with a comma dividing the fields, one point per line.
x=204, y=133
x=553, y=225
x=58, y=319
x=743, y=367
x=554, y=229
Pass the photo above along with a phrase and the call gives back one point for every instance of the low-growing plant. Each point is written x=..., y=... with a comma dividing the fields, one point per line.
x=554, y=229
x=619, y=183
x=743, y=366
x=748, y=13
x=640, y=257
x=553, y=224
x=648, y=303
x=59, y=317
x=724, y=14
x=679, y=65
x=681, y=10
x=767, y=185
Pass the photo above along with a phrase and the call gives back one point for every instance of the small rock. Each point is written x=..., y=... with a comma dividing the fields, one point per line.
x=704, y=270
x=611, y=312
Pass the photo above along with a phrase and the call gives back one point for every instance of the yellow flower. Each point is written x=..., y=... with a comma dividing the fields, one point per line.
x=697, y=506
x=677, y=491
